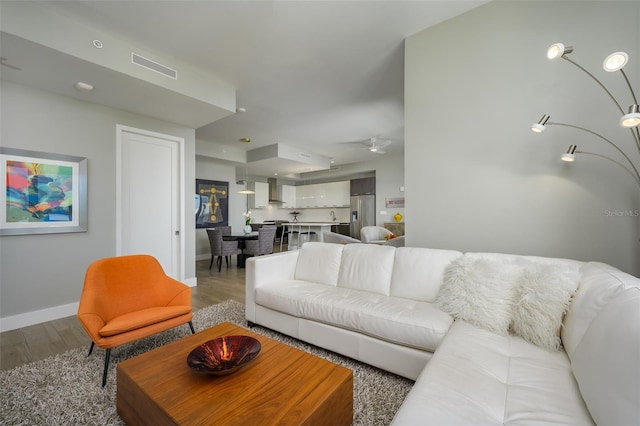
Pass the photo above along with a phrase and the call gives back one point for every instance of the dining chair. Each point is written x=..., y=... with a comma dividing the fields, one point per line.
x=264, y=243
x=220, y=248
x=127, y=298
x=226, y=230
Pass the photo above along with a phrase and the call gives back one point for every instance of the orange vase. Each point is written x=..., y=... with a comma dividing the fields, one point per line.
x=397, y=217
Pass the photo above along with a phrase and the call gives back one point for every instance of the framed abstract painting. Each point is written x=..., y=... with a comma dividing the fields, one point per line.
x=43, y=193
x=212, y=203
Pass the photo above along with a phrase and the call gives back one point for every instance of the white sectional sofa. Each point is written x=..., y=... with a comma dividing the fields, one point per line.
x=472, y=329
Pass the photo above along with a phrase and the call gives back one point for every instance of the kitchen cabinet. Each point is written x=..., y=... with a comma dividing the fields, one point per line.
x=289, y=197
x=337, y=194
x=322, y=195
x=302, y=196
x=261, y=197
x=396, y=227
x=363, y=186
x=340, y=228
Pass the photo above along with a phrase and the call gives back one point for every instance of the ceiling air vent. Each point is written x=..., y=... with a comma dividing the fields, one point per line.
x=153, y=66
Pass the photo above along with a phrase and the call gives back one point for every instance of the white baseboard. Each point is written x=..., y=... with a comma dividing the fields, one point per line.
x=36, y=317
x=53, y=313
x=191, y=282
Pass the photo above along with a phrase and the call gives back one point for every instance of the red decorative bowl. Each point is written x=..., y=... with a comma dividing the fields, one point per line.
x=223, y=355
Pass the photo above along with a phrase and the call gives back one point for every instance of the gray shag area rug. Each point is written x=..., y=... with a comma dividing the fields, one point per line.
x=65, y=389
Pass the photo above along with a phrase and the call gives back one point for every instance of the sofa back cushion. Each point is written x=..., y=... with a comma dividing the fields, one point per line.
x=367, y=267
x=606, y=361
x=319, y=263
x=599, y=283
x=418, y=272
x=524, y=261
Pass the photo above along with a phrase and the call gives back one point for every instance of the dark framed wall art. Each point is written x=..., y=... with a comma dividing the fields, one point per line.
x=43, y=193
x=212, y=203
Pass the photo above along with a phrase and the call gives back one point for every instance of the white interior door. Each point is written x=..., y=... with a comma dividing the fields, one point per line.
x=149, y=213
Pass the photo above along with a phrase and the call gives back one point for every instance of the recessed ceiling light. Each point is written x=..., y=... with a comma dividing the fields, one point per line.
x=97, y=44
x=245, y=140
x=83, y=87
x=240, y=109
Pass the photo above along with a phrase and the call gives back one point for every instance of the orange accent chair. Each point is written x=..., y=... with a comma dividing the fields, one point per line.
x=126, y=298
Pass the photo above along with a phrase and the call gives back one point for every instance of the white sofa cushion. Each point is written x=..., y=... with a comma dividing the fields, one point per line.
x=418, y=272
x=599, y=283
x=405, y=322
x=477, y=377
x=367, y=267
x=524, y=261
x=319, y=263
x=479, y=291
x=605, y=362
x=543, y=294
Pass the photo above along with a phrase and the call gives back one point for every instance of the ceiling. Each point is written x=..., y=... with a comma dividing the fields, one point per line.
x=310, y=74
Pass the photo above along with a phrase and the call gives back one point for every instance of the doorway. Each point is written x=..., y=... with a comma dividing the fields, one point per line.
x=149, y=197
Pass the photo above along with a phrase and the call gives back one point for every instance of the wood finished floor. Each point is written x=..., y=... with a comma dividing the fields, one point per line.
x=36, y=342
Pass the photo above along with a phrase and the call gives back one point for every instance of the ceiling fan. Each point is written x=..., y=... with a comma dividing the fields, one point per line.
x=375, y=145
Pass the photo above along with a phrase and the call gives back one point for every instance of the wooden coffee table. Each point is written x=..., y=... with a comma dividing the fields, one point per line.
x=283, y=385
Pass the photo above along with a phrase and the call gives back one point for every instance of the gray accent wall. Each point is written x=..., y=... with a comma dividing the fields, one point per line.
x=477, y=179
x=39, y=272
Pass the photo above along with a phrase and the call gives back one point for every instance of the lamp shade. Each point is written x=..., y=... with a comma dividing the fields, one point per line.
x=539, y=127
x=632, y=119
x=615, y=61
x=556, y=50
x=570, y=155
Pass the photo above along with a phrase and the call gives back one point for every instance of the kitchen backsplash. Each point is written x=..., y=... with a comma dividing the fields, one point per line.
x=306, y=215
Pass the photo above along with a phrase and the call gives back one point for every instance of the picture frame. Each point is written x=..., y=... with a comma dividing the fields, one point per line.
x=394, y=202
x=211, y=203
x=43, y=193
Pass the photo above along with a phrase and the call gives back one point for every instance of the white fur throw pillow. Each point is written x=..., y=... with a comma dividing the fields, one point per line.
x=480, y=292
x=542, y=298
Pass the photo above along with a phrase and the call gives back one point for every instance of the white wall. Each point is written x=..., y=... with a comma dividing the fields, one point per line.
x=42, y=272
x=477, y=179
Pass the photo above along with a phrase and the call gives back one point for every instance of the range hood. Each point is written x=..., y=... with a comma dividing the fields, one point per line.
x=274, y=196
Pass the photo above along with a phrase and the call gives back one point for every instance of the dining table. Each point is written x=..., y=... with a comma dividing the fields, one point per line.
x=241, y=238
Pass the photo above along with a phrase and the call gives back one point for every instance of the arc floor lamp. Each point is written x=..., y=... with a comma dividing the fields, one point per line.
x=631, y=119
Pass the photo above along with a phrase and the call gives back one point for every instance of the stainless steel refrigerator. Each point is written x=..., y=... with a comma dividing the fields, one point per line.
x=363, y=213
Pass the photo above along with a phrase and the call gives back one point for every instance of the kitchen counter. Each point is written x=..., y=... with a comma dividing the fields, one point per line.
x=295, y=240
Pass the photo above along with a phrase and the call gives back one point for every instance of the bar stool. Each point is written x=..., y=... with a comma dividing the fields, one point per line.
x=286, y=230
x=310, y=234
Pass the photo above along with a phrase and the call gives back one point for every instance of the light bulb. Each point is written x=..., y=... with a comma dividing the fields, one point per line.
x=556, y=50
x=632, y=119
x=615, y=61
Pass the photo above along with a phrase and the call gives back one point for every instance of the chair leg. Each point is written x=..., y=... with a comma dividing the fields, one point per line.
x=91, y=348
x=226, y=260
x=107, y=355
x=211, y=263
x=219, y=263
x=193, y=331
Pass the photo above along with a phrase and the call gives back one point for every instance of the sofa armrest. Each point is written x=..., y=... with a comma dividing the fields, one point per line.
x=262, y=270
